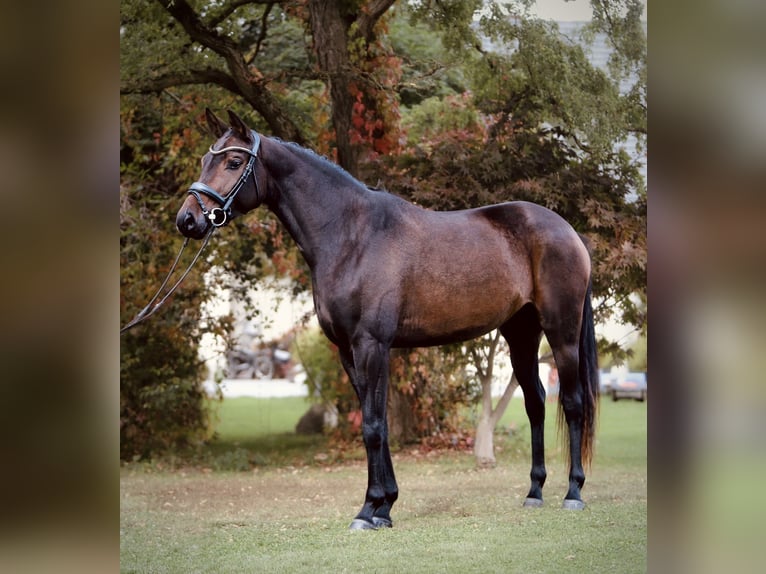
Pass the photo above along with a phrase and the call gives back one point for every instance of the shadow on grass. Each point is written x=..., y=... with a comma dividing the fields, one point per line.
x=281, y=449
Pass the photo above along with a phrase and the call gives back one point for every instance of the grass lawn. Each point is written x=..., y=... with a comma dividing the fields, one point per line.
x=291, y=512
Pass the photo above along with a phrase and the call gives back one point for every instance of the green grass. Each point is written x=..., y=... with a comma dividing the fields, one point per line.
x=260, y=432
x=245, y=418
x=287, y=516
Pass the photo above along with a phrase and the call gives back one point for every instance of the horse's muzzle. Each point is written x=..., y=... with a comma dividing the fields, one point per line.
x=192, y=223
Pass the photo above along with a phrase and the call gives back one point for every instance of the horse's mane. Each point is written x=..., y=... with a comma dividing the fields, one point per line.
x=327, y=164
x=317, y=159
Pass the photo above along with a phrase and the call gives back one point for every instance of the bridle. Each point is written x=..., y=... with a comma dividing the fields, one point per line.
x=220, y=216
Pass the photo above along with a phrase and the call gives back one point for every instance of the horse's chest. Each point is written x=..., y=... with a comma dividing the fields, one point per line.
x=323, y=313
x=336, y=309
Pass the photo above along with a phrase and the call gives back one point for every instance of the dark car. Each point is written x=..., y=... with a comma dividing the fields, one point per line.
x=628, y=386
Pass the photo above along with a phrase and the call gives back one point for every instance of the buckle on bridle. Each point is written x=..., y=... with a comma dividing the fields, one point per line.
x=218, y=217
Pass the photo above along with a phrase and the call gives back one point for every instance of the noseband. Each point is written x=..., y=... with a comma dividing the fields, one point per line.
x=220, y=216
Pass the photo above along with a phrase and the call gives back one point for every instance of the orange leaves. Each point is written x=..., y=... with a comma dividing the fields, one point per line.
x=368, y=118
x=599, y=216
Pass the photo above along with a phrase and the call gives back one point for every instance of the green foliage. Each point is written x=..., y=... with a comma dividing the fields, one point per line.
x=162, y=405
x=437, y=115
x=433, y=387
x=428, y=387
x=638, y=355
x=430, y=70
x=634, y=356
x=452, y=19
x=327, y=381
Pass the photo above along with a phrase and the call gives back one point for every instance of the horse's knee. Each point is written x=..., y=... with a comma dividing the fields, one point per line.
x=374, y=433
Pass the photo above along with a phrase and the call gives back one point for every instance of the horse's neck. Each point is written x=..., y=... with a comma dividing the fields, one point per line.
x=311, y=199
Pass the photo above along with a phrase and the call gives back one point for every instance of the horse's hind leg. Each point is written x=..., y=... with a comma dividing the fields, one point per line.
x=571, y=400
x=523, y=334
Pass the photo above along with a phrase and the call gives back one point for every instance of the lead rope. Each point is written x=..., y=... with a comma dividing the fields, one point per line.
x=149, y=310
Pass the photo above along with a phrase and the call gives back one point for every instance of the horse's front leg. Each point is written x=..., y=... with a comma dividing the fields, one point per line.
x=370, y=379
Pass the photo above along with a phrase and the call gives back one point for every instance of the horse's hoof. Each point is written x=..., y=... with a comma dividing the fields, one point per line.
x=362, y=524
x=570, y=504
x=530, y=502
x=382, y=522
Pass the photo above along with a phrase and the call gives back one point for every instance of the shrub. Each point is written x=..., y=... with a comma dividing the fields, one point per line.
x=427, y=392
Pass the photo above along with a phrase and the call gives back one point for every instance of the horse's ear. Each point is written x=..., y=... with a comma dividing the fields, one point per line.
x=239, y=126
x=217, y=126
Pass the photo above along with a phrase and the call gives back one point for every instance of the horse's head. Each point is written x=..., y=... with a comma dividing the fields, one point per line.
x=228, y=184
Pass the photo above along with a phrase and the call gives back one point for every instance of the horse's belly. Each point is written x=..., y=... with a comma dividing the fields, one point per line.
x=416, y=338
x=439, y=322
x=461, y=295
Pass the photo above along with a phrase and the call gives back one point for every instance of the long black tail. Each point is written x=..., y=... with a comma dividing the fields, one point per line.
x=588, y=379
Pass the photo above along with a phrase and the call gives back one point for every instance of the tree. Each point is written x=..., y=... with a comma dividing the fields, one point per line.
x=483, y=355
x=228, y=45
x=541, y=124
x=191, y=47
x=162, y=404
x=417, y=100
x=344, y=39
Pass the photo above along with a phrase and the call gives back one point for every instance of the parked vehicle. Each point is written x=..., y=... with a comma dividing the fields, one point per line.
x=629, y=386
x=258, y=364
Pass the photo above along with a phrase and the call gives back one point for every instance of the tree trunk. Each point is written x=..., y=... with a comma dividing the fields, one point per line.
x=330, y=32
x=402, y=426
x=484, y=442
x=331, y=28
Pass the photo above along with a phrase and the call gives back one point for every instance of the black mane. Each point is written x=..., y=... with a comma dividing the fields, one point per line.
x=327, y=164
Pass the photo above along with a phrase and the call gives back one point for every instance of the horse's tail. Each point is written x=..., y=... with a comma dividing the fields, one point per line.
x=589, y=380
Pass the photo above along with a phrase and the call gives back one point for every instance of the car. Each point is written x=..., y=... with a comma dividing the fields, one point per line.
x=629, y=386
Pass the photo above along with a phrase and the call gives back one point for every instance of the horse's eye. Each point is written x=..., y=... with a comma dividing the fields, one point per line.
x=233, y=164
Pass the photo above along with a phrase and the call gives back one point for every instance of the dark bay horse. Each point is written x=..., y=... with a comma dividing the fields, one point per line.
x=386, y=273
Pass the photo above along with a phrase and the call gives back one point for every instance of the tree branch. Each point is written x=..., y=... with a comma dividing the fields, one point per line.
x=371, y=13
x=502, y=404
x=262, y=32
x=228, y=9
x=243, y=82
x=188, y=77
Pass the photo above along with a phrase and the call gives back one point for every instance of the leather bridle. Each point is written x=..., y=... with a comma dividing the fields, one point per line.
x=220, y=216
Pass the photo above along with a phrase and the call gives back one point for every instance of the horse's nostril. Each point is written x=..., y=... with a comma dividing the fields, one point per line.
x=185, y=221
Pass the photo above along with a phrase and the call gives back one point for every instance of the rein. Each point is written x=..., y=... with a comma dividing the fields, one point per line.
x=152, y=307
x=220, y=216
